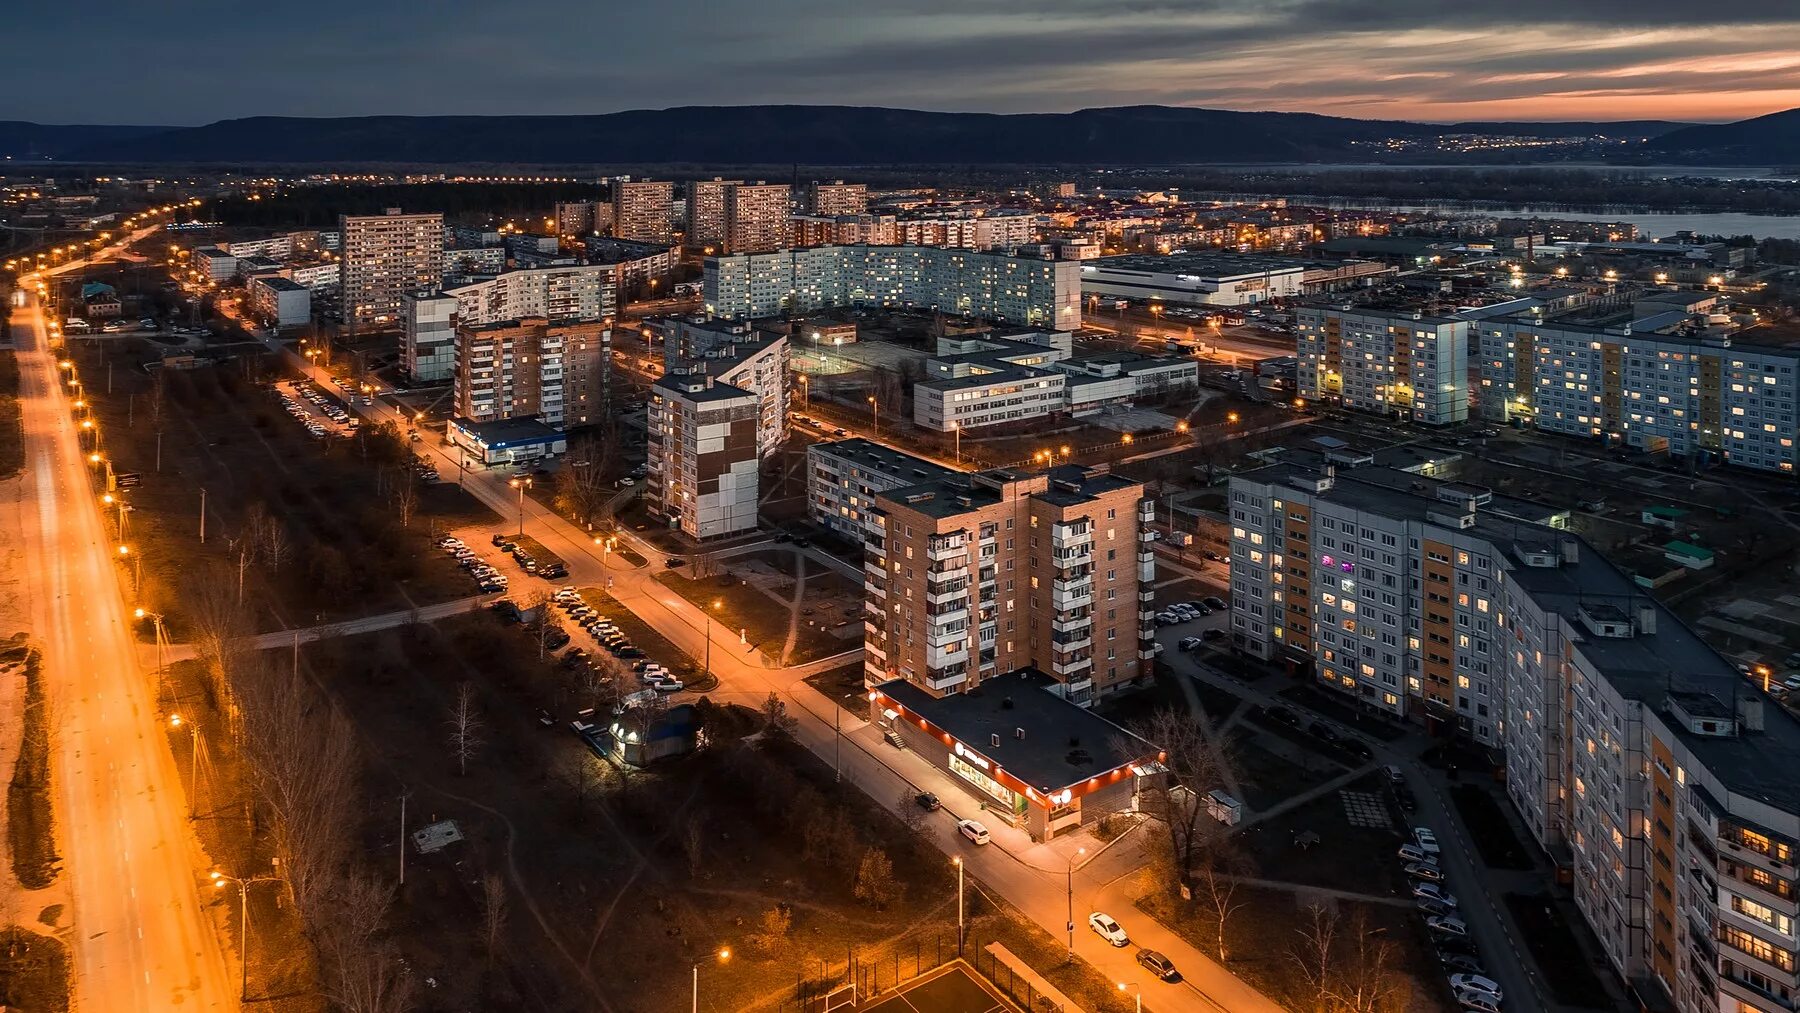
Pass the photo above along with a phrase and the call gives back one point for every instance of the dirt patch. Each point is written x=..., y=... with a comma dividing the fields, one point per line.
x=12, y=428
x=30, y=822
x=34, y=972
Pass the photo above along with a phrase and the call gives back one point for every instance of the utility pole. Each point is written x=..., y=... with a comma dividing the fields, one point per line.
x=403, y=797
x=202, y=505
x=837, y=743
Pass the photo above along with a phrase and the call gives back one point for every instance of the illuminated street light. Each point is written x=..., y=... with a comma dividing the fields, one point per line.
x=722, y=956
x=1232, y=418
x=219, y=880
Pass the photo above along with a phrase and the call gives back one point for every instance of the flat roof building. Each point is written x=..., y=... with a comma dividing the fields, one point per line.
x=844, y=477
x=1219, y=279
x=385, y=258
x=1393, y=362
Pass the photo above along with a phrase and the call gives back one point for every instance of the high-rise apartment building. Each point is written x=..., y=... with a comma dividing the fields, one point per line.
x=580, y=219
x=643, y=211
x=386, y=257
x=837, y=198
x=1402, y=364
x=756, y=217
x=553, y=371
x=564, y=292
x=843, y=230
x=844, y=477
x=1646, y=765
x=702, y=462
x=1687, y=393
x=978, y=575
x=428, y=336
x=706, y=213
x=995, y=286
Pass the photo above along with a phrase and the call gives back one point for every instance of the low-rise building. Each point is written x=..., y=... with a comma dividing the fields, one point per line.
x=1030, y=757
x=214, y=264
x=504, y=442
x=1098, y=382
x=279, y=302
x=1218, y=279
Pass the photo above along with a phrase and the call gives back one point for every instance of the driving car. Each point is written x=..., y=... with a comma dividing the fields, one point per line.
x=975, y=832
x=1107, y=929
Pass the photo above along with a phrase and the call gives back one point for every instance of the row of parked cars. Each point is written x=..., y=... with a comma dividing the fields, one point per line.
x=1188, y=611
x=598, y=626
x=330, y=408
x=488, y=578
x=1475, y=992
x=527, y=562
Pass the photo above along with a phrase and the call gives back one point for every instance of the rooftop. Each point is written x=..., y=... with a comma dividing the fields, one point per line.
x=1063, y=745
x=886, y=460
x=1199, y=265
x=501, y=433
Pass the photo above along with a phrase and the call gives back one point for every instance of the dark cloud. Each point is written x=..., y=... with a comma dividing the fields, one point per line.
x=187, y=61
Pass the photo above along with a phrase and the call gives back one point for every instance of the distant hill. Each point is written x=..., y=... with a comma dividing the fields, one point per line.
x=818, y=135
x=1765, y=140
x=22, y=141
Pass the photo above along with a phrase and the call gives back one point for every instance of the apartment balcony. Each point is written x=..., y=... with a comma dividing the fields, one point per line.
x=940, y=574
x=1071, y=536
x=874, y=590
x=1067, y=597
x=947, y=679
x=949, y=630
x=1072, y=623
x=1070, y=558
x=945, y=594
x=872, y=648
x=1078, y=642
x=1148, y=648
x=985, y=576
x=940, y=551
x=940, y=657
x=1147, y=511
x=1751, y=996
x=874, y=567
x=1146, y=596
x=1080, y=692
x=1071, y=667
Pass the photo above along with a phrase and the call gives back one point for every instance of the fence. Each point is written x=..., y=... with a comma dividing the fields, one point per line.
x=875, y=974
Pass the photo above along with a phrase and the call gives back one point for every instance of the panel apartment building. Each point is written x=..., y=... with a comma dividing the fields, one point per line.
x=552, y=371
x=844, y=477
x=1629, y=384
x=385, y=258
x=756, y=217
x=978, y=575
x=581, y=292
x=837, y=198
x=1641, y=760
x=703, y=477
x=995, y=286
x=1396, y=363
x=706, y=213
x=643, y=211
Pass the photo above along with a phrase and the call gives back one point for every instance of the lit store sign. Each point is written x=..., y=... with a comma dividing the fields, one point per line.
x=970, y=755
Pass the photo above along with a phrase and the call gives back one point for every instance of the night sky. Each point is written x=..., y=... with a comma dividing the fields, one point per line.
x=194, y=61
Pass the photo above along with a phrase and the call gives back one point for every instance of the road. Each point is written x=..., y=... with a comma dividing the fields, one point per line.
x=142, y=939
x=1029, y=876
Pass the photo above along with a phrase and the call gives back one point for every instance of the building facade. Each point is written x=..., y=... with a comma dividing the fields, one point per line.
x=756, y=217
x=703, y=461
x=979, y=575
x=643, y=211
x=1690, y=395
x=567, y=292
x=385, y=258
x=532, y=368
x=843, y=478
x=1394, y=363
x=837, y=198
x=279, y=302
x=1044, y=293
x=706, y=213
x=428, y=336
x=1218, y=279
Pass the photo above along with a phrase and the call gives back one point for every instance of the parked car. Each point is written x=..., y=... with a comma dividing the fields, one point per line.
x=1107, y=929
x=927, y=801
x=1432, y=908
x=1357, y=748
x=1477, y=983
x=1447, y=925
x=975, y=832
x=1410, y=852
x=1459, y=962
x=1159, y=965
x=1189, y=643
x=1426, y=840
x=1212, y=634
x=1285, y=716
x=1214, y=601
x=1322, y=731
x=1433, y=891
x=1426, y=871
x=1477, y=1002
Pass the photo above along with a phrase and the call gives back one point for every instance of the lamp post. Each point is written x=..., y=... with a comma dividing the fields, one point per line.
x=156, y=623
x=956, y=427
x=723, y=955
x=522, y=483
x=805, y=390
x=219, y=879
x=875, y=414
x=717, y=603
x=193, y=749
x=1140, y=994
x=958, y=862
x=1071, y=889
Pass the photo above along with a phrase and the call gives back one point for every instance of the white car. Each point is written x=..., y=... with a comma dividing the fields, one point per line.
x=1426, y=840
x=1107, y=929
x=1477, y=1002
x=1477, y=983
x=975, y=832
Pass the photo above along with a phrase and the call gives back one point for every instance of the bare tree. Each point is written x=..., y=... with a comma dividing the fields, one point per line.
x=776, y=922
x=406, y=499
x=1312, y=953
x=693, y=845
x=1195, y=767
x=1220, y=870
x=910, y=813
x=581, y=486
x=1369, y=979
x=493, y=911
x=465, y=728
x=363, y=972
x=219, y=626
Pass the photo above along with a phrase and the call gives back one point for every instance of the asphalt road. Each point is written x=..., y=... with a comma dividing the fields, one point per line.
x=141, y=938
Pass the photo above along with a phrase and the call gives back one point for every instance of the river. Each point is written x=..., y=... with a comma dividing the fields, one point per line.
x=1655, y=224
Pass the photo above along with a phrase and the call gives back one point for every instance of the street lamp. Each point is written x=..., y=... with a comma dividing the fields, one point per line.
x=717, y=603
x=875, y=413
x=1232, y=418
x=805, y=390
x=958, y=862
x=1071, y=889
x=522, y=483
x=194, y=742
x=156, y=623
x=723, y=955
x=1140, y=994
x=219, y=879
x=956, y=427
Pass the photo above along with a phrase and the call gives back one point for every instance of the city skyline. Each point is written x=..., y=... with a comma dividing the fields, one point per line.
x=1534, y=60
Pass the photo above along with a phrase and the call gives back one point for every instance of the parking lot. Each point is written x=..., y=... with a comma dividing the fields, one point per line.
x=320, y=413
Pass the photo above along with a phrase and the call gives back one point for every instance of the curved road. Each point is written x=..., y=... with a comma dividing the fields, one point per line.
x=141, y=938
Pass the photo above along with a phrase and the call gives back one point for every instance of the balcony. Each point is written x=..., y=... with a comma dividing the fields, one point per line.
x=945, y=593
x=1069, y=595
x=1083, y=664
x=1071, y=558
x=1148, y=648
x=1083, y=620
x=939, y=551
x=1146, y=596
x=947, y=679
x=1077, y=642
x=1064, y=537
